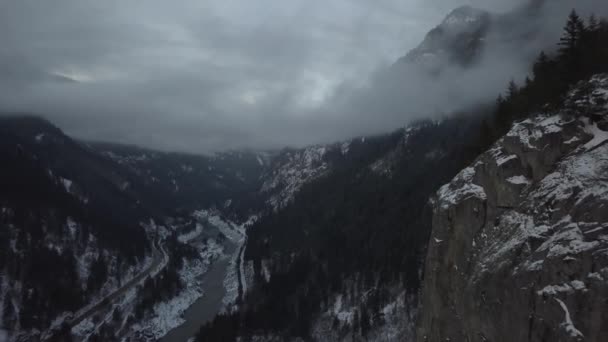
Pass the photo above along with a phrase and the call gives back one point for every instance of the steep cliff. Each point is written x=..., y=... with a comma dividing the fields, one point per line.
x=519, y=247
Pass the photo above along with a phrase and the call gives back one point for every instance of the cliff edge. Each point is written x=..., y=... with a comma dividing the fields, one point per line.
x=519, y=248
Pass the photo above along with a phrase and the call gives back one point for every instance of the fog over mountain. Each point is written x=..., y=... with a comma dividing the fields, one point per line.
x=207, y=76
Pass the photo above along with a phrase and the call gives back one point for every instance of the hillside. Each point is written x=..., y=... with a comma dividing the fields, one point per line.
x=62, y=209
x=519, y=236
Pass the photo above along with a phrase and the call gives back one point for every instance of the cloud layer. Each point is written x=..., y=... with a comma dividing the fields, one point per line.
x=203, y=76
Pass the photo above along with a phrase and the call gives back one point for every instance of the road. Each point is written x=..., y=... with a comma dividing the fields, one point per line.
x=160, y=257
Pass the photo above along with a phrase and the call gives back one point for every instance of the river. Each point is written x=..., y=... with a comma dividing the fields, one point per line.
x=206, y=307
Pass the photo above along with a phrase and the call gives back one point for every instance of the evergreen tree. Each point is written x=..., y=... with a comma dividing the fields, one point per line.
x=356, y=322
x=364, y=325
x=512, y=90
x=541, y=66
x=117, y=315
x=8, y=320
x=570, y=52
x=593, y=24
x=573, y=32
x=97, y=275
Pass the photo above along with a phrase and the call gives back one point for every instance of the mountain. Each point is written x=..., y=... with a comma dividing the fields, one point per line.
x=229, y=181
x=518, y=248
x=457, y=40
x=62, y=209
x=466, y=33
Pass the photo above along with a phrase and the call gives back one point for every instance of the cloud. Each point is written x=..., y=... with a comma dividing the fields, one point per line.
x=205, y=76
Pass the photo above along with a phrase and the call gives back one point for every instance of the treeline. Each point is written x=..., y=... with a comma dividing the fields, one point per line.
x=48, y=277
x=582, y=52
x=357, y=228
x=167, y=284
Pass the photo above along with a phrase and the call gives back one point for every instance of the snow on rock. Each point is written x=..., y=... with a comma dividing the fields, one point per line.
x=462, y=18
x=294, y=169
x=567, y=288
x=67, y=184
x=531, y=131
x=397, y=318
x=599, y=136
x=518, y=180
x=504, y=159
x=535, y=231
x=185, y=238
x=461, y=188
x=567, y=324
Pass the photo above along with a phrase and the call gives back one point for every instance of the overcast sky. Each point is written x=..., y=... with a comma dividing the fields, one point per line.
x=201, y=76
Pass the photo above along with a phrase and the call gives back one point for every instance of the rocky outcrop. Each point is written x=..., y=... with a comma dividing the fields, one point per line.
x=458, y=39
x=291, y=170
x=519, y=248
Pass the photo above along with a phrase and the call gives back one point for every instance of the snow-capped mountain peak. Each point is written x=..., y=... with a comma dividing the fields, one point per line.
x=463, y=17
x=455, y=39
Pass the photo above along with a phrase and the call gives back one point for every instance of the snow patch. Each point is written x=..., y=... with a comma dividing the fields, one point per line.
x=67, y=184
x=503, y=159
x=186, y=238
x=599, y=136
x=518, y=180
x=566, y=288
x=567, y=324
x=168, y=315
x=299, y=168
x=345, y=148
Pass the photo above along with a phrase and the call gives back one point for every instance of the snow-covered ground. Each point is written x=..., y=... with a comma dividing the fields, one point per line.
x=299, y=168
x=168, y=315
x=234, y=232
x=186, y=238
x=90, y=325
x=395, y=322
x=237, y=234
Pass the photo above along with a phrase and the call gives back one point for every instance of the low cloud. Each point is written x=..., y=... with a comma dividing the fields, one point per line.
x=207, y=76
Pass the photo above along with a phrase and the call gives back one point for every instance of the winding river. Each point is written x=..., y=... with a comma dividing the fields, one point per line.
x=206, y=307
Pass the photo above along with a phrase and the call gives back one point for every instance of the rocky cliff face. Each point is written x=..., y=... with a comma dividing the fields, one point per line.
x=519, y=248
x=458, y=39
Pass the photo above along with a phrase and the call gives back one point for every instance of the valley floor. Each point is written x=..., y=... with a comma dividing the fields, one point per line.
x=211, y=286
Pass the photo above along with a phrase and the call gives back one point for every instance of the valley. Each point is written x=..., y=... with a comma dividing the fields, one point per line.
x=483, y=220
